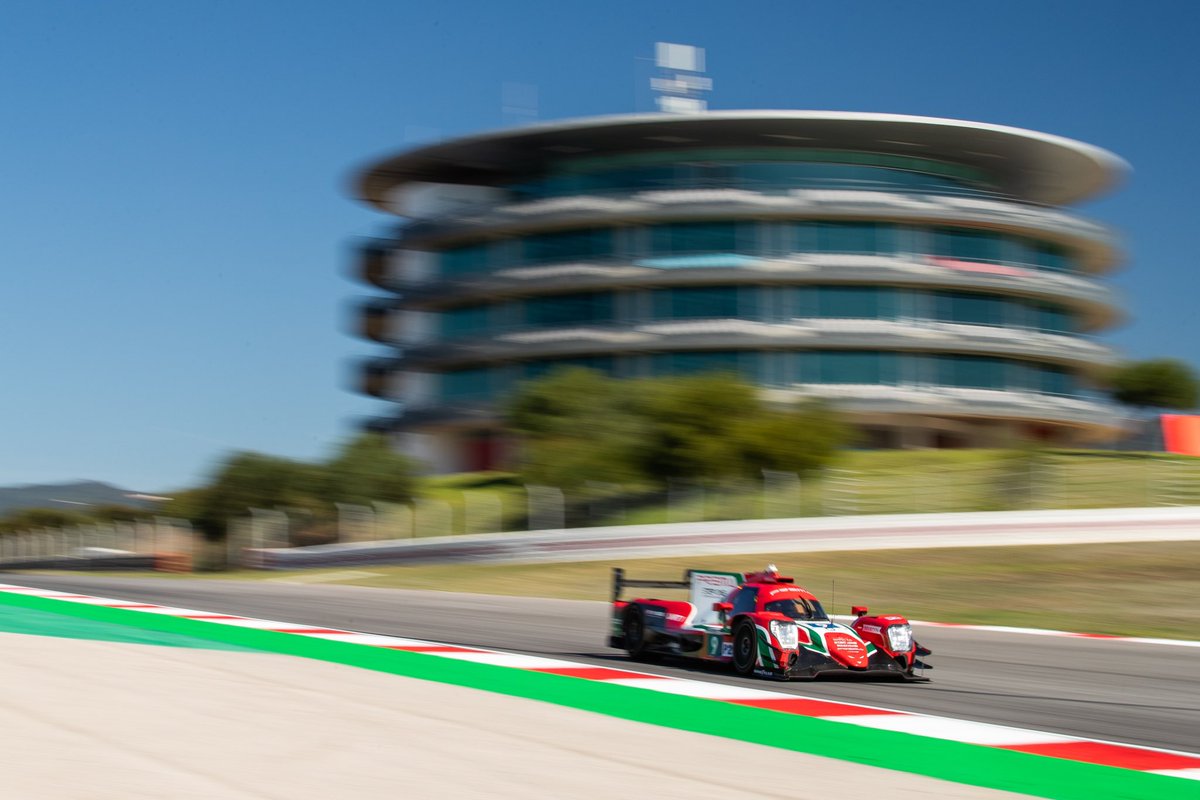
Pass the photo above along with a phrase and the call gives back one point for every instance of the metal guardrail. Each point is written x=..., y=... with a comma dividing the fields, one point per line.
x=861, y=532
x=131, y=561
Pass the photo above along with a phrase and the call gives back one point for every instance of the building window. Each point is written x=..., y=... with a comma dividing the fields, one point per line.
x=706, y=302
x=974, y=372
x=1054, y=319
x=968, y=245
x=465, y=260
x=1056, y=380
x=844, y=302
x=971, y=308
x=1053, y=258
x=744, y=363
x=578, y=245
x=580, y=308
x=754, y=303
x=688, y=238
x=467, y=386
x=753, y=239
x=761, y=169
x=854, y=237
x=847, y=366
x=467, y=321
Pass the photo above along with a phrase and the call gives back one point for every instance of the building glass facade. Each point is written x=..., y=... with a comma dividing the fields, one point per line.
x=768, y=304
x=755, y=240
x=782, y=369
x=830, y=262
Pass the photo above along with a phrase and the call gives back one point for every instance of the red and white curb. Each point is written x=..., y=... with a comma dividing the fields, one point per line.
x=1162, y=762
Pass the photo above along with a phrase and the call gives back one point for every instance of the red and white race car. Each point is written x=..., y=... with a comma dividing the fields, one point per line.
x=762, y=623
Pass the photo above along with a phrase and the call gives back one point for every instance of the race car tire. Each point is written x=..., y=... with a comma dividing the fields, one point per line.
x=745, y=648
x=634, y=629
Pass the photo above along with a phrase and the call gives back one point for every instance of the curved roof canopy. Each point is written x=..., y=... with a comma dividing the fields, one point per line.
x=1036, y=166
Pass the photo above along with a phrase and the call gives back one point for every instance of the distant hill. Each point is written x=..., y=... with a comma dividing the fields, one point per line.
x=66, y=496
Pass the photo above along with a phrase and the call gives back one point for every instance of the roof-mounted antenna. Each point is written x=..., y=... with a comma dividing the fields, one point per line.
x=681, y=83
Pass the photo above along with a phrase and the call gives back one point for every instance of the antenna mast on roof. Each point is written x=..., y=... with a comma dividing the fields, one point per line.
x=681, y=83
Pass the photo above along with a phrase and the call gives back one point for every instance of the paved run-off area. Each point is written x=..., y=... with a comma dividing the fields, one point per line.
x=104, y=717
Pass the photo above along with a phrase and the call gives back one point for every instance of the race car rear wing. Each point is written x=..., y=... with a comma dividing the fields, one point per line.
x=620, y=582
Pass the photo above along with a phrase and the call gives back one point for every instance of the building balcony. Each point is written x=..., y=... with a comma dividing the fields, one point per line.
x=1096, y=244
x=739, y=334
x=1096, y=301
x=1101, y=417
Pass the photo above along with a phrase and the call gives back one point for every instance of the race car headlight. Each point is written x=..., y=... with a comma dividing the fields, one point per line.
x=785, y=634
x=900, y=638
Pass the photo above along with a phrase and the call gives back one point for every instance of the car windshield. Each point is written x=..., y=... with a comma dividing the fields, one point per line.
x=797, y=608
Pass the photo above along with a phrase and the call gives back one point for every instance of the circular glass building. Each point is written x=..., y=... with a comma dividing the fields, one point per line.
x=921, y=274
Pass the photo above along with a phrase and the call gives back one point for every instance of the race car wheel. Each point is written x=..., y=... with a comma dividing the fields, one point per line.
x=745, y=648
x=634, y=629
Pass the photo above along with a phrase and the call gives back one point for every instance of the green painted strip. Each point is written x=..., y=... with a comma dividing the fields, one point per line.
x=44, y=623
x=953, y=761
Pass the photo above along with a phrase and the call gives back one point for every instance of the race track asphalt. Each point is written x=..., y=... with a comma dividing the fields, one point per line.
x=1142, y=694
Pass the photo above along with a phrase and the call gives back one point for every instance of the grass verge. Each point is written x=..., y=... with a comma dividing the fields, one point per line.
x=1124, y=589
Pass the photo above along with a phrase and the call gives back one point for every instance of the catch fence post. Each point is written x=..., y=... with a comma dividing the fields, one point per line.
x=545, y=509
x=432, y=517
x=483, y=512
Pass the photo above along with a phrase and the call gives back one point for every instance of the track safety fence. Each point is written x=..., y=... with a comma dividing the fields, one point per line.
x=1018, y=481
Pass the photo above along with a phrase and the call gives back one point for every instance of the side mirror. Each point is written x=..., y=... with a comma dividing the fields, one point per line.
x=723, y=608
x=859, y=611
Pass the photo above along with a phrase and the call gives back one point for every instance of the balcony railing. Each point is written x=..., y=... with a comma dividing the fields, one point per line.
x=827, y=202
x=743, y=185
x=903, y=270
x=648, y=336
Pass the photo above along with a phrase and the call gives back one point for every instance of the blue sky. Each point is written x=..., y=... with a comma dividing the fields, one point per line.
x=177, y=222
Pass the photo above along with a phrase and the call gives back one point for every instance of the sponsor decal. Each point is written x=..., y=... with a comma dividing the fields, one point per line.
x=708, y=588
x=717, y=646
x=872, y=629
x=676, y=617
x=845, y=644
x=847, y=649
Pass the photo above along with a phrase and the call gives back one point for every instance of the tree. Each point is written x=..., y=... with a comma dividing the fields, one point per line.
x=692, y=423
x=367, y=469
x=113, y=512
x=1158, y=383
x=363, y=470
x=29, y=518
x=798, y=439
x=186, y=504
x=580, y=426
x=253, y=480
